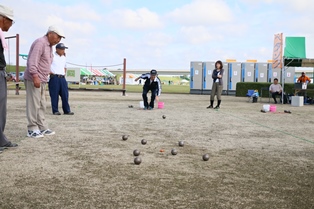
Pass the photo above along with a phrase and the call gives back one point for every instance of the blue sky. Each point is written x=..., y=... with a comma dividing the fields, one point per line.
x=162, y=34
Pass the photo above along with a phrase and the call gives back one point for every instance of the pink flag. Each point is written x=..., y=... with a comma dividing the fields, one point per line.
x=277, y=53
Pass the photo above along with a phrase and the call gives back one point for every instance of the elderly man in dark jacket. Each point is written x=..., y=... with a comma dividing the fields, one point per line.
x=6, y=21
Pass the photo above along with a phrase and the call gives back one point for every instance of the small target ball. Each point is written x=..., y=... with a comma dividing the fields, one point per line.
x=163, y=117
x=125, y=137
x=144, y=141
x=181, y=143
x=136, y=152
x=137, y=160
x=174, y=152
x=206, y=157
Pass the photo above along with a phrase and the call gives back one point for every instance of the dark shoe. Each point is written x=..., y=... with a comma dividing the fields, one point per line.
x=145, y=108
x=210, y=106
x=287, y=111
x=217, y=107
x=275, y=102
x=10, y=144
x=150, y=108
x=69, y=113
x=1, y=149
x=57, y=113
x=263, y=111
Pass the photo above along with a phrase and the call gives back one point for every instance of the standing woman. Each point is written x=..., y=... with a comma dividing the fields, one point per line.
x=217, y=85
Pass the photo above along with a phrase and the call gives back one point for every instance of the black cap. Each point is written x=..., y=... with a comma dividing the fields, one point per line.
x=153, y=72
x=61, y=46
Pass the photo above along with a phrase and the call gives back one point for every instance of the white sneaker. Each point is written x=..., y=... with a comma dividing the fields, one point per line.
x=34, y=134
x=47, y=132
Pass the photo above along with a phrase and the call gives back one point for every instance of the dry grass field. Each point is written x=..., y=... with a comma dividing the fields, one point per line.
x=257, y=160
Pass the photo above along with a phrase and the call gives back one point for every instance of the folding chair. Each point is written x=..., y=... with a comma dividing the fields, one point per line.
x=249, y=94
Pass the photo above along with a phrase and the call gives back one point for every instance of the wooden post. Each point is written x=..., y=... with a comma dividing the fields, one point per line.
x=17, y=86
x=124, y=77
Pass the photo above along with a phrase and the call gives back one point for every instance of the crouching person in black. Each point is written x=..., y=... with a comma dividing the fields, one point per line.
x=152, y=83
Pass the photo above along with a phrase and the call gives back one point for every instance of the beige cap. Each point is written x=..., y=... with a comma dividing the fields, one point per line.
x=57, y=30
x=6, y=12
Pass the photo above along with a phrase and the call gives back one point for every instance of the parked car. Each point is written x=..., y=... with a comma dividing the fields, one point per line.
x=11, y=77
x=21, y=76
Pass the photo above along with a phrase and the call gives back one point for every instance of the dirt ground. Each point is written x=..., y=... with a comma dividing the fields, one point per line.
x=257, y=160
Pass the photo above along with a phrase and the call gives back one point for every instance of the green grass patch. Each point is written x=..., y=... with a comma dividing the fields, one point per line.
x=177, y=89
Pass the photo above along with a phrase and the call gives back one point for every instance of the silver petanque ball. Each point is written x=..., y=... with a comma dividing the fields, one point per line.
x=136, y=152
x=144, y=141
x=206, y=157
x=174, y=152
x=125, y=137
x=181, y=143
x=137, y=160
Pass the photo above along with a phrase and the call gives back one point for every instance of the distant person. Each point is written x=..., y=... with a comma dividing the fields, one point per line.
x=36, y=76
x=275, y=89
x=6, y=21
x=303, y=78
x=58, y=85
x=217, y=85
x=153, y=84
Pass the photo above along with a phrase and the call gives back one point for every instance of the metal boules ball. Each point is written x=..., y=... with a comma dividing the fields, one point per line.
x=137, y=160
x=144, y=141
x=174, y=152
x=125, y=137
x=181, y=143
x=136, y=152
x=163, y=117
x=206, y=157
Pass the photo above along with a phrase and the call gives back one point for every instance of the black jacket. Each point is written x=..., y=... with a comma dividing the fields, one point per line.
x=155, y=85
x=2, y=60
x=215, y=74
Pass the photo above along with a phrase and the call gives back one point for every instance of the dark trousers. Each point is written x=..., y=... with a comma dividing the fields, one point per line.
x=274, y=94
x=3, y=107
x=144, y=95
x=59, y=87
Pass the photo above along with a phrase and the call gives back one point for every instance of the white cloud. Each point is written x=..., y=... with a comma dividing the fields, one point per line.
x=134, y=19
x=80, y=12
x=199, y=34
x=202, y=12
x=105, y=31
x=292, y=5
x=300, y=5
x=157, y=39
x=107, y=2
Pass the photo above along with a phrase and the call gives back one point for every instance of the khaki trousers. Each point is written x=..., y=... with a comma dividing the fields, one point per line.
x=35, y=106
x=216, y=90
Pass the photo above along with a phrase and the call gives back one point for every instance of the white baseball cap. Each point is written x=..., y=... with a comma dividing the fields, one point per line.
x=6, y=12
x=57, y=30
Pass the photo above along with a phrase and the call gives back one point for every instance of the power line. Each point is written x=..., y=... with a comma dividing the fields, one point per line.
x=94, y=66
